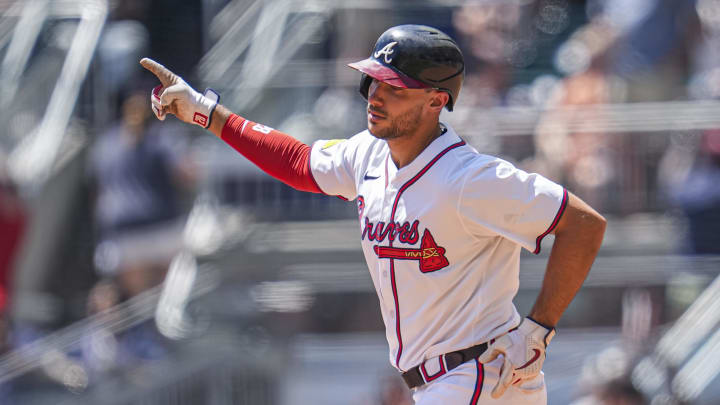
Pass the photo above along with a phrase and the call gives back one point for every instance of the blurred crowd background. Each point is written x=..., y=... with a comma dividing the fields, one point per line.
x=145, y=262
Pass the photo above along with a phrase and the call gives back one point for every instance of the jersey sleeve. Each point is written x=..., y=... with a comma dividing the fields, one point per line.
x=498, y=198
x=332, y=164
x=276, y=153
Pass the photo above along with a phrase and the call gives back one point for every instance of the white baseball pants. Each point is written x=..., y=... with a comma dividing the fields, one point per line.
x=471, y=383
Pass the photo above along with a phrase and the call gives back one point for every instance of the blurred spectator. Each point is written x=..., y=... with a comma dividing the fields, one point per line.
x=12, y=225
x=606, y=378
x=102, y=351
x=617, y=392
x=627, y=52
x=697, y=193
x=621, y=393
x=583, y=160
x=125, y=39
x=498, y=41
x=490, y=30
x=141, y=170
x=122, y=44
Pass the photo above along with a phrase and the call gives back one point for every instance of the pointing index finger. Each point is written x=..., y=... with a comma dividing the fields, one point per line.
x=165, y=76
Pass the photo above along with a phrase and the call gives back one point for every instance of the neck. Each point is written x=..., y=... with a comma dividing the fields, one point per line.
x=405, y=149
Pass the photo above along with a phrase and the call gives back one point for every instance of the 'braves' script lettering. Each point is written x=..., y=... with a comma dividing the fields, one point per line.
x=405, y=232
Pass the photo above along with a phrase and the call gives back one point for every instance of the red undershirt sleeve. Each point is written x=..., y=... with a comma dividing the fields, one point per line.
x=277, y=154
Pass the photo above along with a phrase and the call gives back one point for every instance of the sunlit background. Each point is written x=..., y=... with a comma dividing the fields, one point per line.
x=148, y=263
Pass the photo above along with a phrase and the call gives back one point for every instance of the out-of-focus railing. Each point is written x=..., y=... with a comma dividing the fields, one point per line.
x=29, y=25
x=598, y=118
x=204, y=378
x=31, y=162
x=114, y=320
x=685, y=360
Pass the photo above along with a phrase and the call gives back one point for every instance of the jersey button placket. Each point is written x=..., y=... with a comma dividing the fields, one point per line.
x=385, y=282
x=389, y=199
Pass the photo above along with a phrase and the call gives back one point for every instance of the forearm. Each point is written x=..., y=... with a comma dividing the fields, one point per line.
x=572, y=255
x=278, y=154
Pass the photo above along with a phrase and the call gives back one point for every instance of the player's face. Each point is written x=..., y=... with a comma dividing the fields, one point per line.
x=394, y=112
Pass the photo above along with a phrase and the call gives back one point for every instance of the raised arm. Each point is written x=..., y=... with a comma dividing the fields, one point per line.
x=276, y=153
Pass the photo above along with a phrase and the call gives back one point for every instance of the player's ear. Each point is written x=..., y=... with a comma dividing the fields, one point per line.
x=438, y=100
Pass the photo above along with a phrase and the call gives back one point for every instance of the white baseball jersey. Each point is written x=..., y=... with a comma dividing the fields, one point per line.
x=441, y=237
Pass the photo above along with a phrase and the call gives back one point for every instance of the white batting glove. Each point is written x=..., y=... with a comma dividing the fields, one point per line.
x=523, y=351
x=176, y=97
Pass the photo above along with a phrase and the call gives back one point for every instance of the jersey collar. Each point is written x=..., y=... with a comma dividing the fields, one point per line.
x=449, y=137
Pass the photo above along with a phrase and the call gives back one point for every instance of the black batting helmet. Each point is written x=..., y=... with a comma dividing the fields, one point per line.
x=414, y=57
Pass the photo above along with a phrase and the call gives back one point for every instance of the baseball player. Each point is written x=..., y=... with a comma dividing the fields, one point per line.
x=441, y=225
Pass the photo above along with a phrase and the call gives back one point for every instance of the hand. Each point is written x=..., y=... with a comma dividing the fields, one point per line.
x=523, y=351
x=176, y=97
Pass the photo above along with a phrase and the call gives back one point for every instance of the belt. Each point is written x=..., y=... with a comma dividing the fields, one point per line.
x=418, y=376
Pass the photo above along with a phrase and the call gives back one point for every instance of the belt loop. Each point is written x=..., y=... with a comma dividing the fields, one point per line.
x=423, y=372
x=442, y=369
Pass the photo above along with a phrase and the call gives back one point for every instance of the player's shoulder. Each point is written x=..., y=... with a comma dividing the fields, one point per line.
x=481, y=162
x=362, y=140
x=484, y=168
x=472, y=166
x=469, y=160
x=356, y=153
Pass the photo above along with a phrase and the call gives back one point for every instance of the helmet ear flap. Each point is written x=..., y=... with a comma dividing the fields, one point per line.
x=365, y=81
x=450, y=102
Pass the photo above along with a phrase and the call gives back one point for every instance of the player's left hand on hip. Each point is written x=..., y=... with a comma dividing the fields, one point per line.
x=523, y=351
x=176, y=97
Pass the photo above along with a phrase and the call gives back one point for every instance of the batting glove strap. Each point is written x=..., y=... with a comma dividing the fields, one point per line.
x=210, y=100
x=535, y=328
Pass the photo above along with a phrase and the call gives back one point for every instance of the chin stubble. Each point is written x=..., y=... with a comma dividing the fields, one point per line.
x=403, y=125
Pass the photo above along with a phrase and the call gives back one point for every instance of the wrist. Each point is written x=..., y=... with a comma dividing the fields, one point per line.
x=220, y=119
x=205, y=105
x=541, y=322
x=539, y=330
